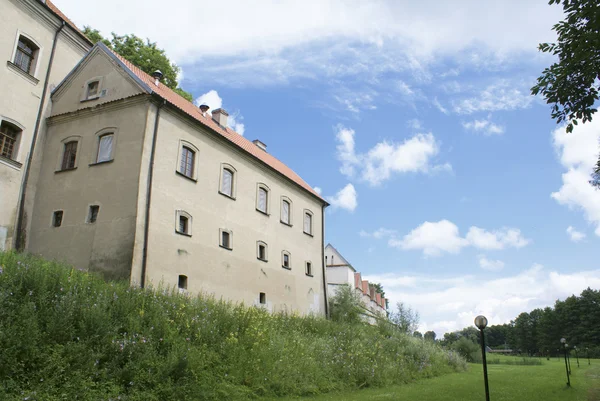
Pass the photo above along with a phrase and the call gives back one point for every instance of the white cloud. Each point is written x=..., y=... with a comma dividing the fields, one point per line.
x=434, y=238
x=451, y=303
x=502, y=95
x=377, y=234
x=489, y=264
x=498, y=239
x=575, y=235
x=346, y=198
x=214, y=101
x=486, y=126
x=318, y=190
x=415, y=124
x=578, y=152
x=439, y=106
x=387, y=158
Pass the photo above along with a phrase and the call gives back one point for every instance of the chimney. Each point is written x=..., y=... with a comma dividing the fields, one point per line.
x=204, y=108
x=157, y=75
x=365, y=287
x=220, y=117
x=260, y=144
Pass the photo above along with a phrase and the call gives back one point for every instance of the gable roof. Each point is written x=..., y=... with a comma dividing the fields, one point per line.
x=339, y=255
x=184, y=105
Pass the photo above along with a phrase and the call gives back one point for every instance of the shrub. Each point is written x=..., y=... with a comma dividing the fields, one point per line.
x=467, y=349
x=68, y=335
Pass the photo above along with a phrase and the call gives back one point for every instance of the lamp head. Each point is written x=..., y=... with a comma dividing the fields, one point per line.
x=563, y=340
x=481, y=322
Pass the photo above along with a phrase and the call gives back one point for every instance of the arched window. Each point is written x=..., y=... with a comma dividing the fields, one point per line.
x=186, y=166
x=9, y=139
x=183, y=223
x=227, y=185
x=26, y=54
x=308, y=222
x=286, y=210
x=69, y=159
x=261, y=251
x=286, y=260
x=262, y=198
x=105, y=147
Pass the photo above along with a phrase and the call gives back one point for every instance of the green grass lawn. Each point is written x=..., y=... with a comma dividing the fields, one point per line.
x=546, y=382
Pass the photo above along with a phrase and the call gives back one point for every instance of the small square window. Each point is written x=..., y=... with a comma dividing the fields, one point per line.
x=57, y=218
x=182, y=282
x=225, y=239
x=92, y=89
x=308, y=269
x=93, y=213
x=262, y=298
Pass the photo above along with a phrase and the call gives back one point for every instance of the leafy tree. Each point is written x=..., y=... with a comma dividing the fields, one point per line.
x=467, y=349
x=405, y=318
x=430, y=335
x=571, y=84
x=346, y=305
x=144, y=54
x=418, y=335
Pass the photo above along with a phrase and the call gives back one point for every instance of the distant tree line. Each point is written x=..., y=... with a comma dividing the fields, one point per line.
x=538, y=332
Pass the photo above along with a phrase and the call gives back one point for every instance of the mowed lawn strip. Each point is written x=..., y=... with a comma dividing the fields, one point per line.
x=546, y=382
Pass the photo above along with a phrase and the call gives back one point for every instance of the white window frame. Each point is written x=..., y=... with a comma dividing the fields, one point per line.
x=264, y=187
x=192, y=147
x=227, y=166
x=84, y=94
x=178, y=215
x=17, y=148
x=289, y=255
x=224, y=230
x=258, y=245
x=311, y=227
x=98, y=136
x=290, y=221
x=37, y=58
x=306, y=263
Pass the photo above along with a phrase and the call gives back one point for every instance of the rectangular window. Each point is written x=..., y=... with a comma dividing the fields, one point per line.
x=182, y=283
x=262, y=252
x=308, y=269
x=69, y=155
x=286, y=260
x=262, y=298
x=92, y=89
x=57, y=218
x=105, y=146
x=227, y=182
x=307, y=223
x=262, y=200
x=9, y=135
x=186, y=166
x=93, y=213
x=25, y=55
x=285, y=212
x=225, y=240
x=183, y=224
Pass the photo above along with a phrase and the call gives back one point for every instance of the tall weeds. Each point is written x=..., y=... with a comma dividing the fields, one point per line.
x=69, y=335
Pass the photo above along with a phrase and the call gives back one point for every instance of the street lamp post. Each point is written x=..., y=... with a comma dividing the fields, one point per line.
x=587, y=350
x=576, y=355
x=481, y=322
x=564, y=343
x=568, y=356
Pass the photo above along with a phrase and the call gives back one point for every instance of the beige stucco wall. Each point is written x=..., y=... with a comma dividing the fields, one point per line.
x=21, y=95
x=107, y=244
x=236, y=275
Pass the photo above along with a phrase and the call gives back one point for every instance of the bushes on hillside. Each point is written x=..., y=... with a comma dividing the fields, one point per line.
x=68, y=335
x=467, y=349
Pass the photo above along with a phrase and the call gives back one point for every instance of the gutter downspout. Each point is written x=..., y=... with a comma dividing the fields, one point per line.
x=149, y=195
x=323, y=260
x=19, y=243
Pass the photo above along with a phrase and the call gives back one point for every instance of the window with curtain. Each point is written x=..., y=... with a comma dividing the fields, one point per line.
x=105, y=147
x=227, y=182
x=9, y=134
x=307, y=223
x=25, y=54
x=285, y=212
x=69, y=155
x=262, y=200
x=186, y=167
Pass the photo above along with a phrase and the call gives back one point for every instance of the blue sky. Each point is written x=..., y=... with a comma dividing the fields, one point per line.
x=449, y=183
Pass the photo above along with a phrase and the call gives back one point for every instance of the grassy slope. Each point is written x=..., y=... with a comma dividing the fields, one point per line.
x=507, y=383
x=68, y=335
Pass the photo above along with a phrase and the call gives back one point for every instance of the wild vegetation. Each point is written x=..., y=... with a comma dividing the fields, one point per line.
x=69, y=335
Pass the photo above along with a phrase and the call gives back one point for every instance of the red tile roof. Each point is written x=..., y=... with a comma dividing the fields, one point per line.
x=62, y=16
x=238, y=140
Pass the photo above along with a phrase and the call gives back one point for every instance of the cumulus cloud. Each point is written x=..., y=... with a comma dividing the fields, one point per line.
x=214, y=101
x=575, y=235
x=451, y=303
x=485, y=126
x=434, y=238
x=346, y=199
x=489, y=264
x=578, y=152
x=383, y=160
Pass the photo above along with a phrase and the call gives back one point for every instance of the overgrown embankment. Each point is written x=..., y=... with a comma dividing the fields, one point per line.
x=68, y=335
